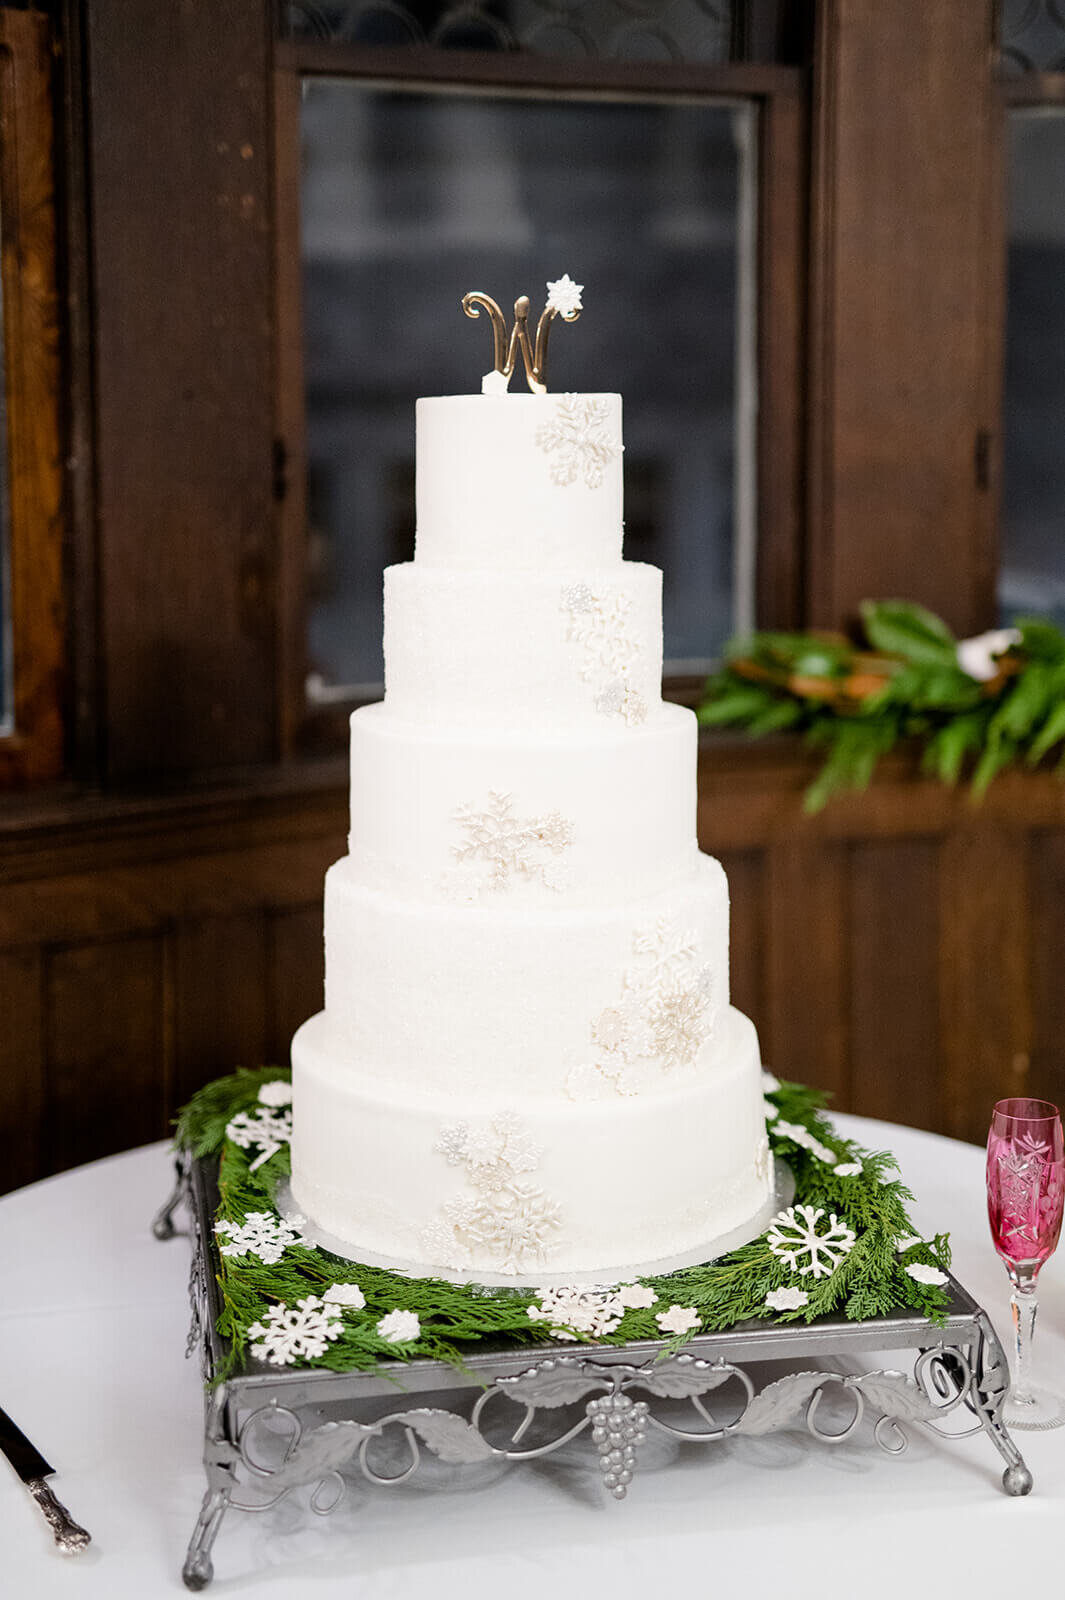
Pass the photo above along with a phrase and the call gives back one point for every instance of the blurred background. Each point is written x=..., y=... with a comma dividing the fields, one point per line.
x=823, y=250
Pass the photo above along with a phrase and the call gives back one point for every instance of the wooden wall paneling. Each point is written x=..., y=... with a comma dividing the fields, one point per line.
x=1046, y=877
x=902, y=199
x=22, y=1094
x=895, y=1022
x=295, y=985
x=805, y=1022
x=33, y=750
x=181, y=204
x=107, y=1066
x=220, y=999
x=984, y=956
x=747, y=930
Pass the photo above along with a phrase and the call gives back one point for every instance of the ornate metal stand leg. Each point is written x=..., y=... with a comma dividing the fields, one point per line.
x=990, y=1386
x=163, y=1223
x=218, y=1459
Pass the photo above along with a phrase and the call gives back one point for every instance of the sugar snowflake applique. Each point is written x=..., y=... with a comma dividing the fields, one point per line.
x=590, y=1311
x=848, y=1169
x=399, y=1327
x=923, y=1274
x=664, y=1014
x=265, y=1129
x=678, y=1319
x=346, y=1295
x=600, y=624
x=292, y=1333
x=795, y=1235
x=564, y=296
x=786, y=1299
x=636, y=1295
x=511, y=847
x=800, y=1135
x=504, y=1220
x=278, y=1092
x=577, y=436
x=761, y=1160
x=261, y=1234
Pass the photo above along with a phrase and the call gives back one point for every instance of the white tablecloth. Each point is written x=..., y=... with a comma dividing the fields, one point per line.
x=92, y=1337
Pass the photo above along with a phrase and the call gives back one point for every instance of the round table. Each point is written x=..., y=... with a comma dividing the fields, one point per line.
x=92, y=1340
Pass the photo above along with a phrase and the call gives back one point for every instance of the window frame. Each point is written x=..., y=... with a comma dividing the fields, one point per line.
x=779, y=95
x=34, y=749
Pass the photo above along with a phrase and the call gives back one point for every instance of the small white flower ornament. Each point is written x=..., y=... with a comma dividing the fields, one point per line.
x=902, y=1245
x=564, y=296
x=786, y=1299
x=276, y=1093
x=636, y=1295
x=848, y=1169
x=347, y=1295
x=930, y=1275
x=678, y=1319
x=399, y=1327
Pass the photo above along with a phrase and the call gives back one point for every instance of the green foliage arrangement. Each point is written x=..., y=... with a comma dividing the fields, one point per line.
x=905, y=682
x=873, y=1277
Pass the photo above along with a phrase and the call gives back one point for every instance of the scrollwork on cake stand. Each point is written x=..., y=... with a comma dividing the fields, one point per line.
x=264, y=1437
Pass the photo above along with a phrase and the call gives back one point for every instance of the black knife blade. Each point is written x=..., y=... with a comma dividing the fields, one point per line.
x=32, y=1468
x=22, y=1453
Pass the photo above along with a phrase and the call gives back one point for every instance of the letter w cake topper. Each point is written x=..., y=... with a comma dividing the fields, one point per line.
x=563, y=300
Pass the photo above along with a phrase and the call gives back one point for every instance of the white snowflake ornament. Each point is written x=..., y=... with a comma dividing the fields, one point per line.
x=564, y=296
x=291, y=1333
x=797, y=1237
x=265, y=1129
x=590, y=1311
x=678, y=1319
x=578, y=438
x=508, y=847
x=260, y=1234
x=399, y=1327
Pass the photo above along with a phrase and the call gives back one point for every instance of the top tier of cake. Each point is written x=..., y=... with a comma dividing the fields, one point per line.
x=519, y=482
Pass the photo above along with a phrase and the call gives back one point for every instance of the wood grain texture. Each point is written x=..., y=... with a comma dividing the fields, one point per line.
x=221, y=999
x=903, y=196
x=183, y=275
x=31, y=376
x=894, y=1011
x=23, y=1097
x=1046, y=880
x=296, y=982
x=806, y=1015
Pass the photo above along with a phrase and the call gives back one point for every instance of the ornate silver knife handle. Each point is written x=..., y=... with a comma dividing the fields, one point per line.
x=68, y=1535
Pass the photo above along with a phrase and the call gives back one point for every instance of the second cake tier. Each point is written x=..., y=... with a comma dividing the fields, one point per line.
x=591, y=1003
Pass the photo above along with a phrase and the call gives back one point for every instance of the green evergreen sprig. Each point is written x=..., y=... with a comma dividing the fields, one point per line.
x=857, y=702
x=458, y=1318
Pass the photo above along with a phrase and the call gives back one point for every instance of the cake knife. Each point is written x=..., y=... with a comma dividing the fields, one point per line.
x=33, y=1469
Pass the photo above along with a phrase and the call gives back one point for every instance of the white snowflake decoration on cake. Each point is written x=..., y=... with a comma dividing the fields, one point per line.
x=506, y=1220
x=591, y=1311
x=291, y=1333
x=509, y=847
x=265, y=1129
x=577, y=437
x=665, y=1013
x=261, y=1234
x=599, y=622
x=564, y=296
x=797, y=1237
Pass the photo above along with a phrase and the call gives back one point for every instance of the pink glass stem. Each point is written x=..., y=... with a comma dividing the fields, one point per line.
x=1024, y=1306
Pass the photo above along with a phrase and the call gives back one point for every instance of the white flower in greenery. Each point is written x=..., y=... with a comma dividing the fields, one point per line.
x=786, y=1299
x=930, y=1275
x=770, y=1085
x=800, y=1135
x=848, y=1169
x=636, y=1295
x=798, y=1237
x=399, y=1327
x=348, y=1295
x=678, y=1319
x=977, y=657
x=276, y=1093
x=290, y=1333
x=564, y=296
x=902, y=1245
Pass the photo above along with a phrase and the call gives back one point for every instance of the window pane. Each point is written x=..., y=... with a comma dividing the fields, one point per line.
x=1032, y=570
x=409, y=201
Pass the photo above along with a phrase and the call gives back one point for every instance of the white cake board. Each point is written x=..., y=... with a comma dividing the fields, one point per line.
x=781, y=1195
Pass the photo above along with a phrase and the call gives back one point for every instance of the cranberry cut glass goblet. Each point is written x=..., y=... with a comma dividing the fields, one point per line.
x=1025, y=1189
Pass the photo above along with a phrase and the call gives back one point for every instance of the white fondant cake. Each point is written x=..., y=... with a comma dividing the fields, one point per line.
x=527, y=1063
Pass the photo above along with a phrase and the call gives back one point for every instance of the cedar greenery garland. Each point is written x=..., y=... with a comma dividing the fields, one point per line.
x=858, y=703
x=870, y=1280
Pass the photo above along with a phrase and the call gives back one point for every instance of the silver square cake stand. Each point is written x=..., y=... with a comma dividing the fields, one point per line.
x=268, y=1431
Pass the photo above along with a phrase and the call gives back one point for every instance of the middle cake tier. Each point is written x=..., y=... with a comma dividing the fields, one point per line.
x=452, y=816
x=586, y=1003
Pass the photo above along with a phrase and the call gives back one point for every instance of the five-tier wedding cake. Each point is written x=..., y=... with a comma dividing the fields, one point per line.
x=527, y=1064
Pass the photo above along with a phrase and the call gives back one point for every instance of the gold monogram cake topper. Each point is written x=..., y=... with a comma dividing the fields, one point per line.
x=563, y=300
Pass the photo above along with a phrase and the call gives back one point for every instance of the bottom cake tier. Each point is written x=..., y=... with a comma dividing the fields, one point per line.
x=531, y=1188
